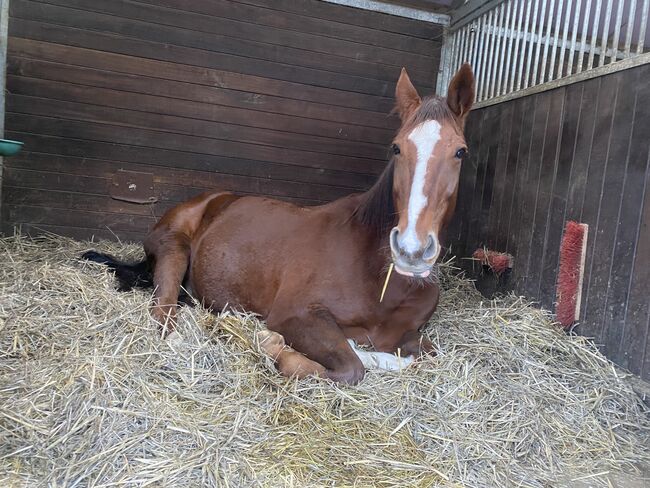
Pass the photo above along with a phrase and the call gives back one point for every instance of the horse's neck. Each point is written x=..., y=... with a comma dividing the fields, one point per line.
x=379, y=252
x=376, y=242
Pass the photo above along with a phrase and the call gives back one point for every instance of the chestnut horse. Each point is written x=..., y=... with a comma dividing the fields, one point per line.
x=315, y=274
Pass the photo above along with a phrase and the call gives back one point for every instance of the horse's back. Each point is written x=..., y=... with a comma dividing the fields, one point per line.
x=184, y=220
x=245, y=253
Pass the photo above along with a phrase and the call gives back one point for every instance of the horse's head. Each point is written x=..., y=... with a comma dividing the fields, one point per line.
x=429, y=148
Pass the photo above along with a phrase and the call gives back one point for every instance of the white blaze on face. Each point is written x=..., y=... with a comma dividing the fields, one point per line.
x=425, y=137
x=381, y=360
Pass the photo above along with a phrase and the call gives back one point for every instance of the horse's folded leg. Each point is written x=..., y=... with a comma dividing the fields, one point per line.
x=316, y=334
x=413, y=343
x=288, y=361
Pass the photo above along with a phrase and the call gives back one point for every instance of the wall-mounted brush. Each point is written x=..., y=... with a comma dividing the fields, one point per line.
x=573, y=251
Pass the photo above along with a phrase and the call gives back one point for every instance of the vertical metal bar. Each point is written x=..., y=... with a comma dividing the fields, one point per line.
x=4, y=22
x=4, y=25
x=498, y=13
x=468, y=40
x=461, y=46
x=480, y=50
x=443, y=80
x=558, y=18
x=540, y=39
x=470, y=44
x=520, y=55
x=450, y=60
x=441, y=68
x=500, y=41
x=574, y=34
x=583, y=42
x=547, y=39
x=644, y=24
x=594, y=35
x=462, y=56
x=529, y=58
x=454, y=56
x=444, y=61
x=565, y=32
x=603, y=45
x=474, y=54
x=490, y=54
x=617, y=30
x=487, y=59
x=506, y=35
x=630, y=29
x=512, y=32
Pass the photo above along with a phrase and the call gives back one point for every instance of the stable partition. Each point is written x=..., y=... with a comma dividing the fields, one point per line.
x=127, y=108
x=579, y=152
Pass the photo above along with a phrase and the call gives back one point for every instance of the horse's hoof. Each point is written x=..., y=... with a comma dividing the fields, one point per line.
x=271, y=342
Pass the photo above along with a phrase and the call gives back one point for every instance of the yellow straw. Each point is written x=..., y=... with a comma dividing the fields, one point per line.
x=390, y=270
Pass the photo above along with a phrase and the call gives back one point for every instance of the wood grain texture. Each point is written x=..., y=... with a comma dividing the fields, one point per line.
x=558, y=195
x=630, y=156
x=351, y=16
x=283, y=99
x=580, y=152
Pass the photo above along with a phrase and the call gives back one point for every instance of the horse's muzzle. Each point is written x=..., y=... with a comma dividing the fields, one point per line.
x=415, y=263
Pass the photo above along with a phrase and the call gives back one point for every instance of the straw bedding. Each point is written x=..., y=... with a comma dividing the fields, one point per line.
x=91, y=396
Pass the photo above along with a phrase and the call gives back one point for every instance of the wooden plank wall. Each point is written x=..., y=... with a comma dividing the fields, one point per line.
x=579, y=153
x=287, y=98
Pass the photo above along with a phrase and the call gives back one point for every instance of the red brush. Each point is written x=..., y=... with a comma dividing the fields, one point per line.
x=498, y=262
x=572, y=265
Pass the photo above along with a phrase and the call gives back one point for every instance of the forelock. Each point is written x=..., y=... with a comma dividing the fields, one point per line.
x=431, y=108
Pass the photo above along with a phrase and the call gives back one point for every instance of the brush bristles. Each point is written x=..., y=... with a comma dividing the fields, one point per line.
x=569, y=280
x=498, y=262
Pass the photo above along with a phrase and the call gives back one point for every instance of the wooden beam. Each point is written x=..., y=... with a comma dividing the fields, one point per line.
x=4, y=23
x=391, y=8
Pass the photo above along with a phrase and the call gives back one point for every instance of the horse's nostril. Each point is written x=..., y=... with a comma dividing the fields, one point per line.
x=394, y=245
x=432, y=248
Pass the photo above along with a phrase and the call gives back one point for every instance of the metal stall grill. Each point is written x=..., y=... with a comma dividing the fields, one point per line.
x=514, y=45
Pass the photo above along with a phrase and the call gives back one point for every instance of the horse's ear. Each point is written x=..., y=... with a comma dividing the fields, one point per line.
x=406, y=96
x=460, y=95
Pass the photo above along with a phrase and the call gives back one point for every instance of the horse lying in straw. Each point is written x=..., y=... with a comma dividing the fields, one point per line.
x=315, y=274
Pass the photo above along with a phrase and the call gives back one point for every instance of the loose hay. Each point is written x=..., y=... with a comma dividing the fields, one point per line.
x=90, y=395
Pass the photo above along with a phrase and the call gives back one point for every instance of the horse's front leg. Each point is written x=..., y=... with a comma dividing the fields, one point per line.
x=315, y=334
x=415, y=344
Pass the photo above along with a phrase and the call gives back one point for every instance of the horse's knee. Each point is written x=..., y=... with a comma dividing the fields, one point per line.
x=350, y=373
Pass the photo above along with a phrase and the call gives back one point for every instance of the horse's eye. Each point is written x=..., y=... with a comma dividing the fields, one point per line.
x=460, y=154
x=395, y=148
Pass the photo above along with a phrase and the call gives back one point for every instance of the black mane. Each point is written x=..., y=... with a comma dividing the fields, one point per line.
x=377, y=209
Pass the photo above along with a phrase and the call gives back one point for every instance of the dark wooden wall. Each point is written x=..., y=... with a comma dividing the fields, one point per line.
x=579, y=153
x=288, y=98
